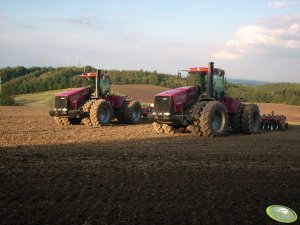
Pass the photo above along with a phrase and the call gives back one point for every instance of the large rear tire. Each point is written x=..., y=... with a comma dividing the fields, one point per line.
x=121, y=112
x=86, y=109
x=134, y=113
x=250, y=119
x=214, y=119
x=101, y=113
x=235, y=120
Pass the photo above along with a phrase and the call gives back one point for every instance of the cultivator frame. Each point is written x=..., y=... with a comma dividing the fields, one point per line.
x=273, y=122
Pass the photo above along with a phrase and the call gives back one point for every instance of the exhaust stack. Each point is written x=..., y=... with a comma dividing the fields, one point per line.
x=210, y=73
x=97, y=84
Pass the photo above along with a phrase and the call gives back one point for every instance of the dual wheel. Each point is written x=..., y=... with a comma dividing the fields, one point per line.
x=100, y=113
x=212, y=120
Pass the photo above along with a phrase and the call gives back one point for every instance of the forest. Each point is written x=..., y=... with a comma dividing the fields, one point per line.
x=21, y=80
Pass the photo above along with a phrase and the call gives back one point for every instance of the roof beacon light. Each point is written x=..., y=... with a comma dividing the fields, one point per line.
x=198, y=69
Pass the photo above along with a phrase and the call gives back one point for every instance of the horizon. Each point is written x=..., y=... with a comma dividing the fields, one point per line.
x=258, y=40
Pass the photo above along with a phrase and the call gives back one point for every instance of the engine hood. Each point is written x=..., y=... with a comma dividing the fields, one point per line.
x=182, y=91
x=77, y=91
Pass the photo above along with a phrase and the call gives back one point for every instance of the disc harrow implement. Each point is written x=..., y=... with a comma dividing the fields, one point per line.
x=273, y=122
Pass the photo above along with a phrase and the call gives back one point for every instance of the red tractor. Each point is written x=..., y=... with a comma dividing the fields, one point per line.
x=94, y=106
x=203, y=108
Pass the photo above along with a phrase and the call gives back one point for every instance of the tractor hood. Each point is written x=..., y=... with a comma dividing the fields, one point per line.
x=77, y=91
x=182, y=92
x=179, y=96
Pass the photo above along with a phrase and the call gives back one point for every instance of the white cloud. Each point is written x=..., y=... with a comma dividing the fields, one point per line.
x=281, y=4
x=261, y=38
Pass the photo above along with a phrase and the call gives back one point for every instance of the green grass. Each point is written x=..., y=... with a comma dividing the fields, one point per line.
x=37, y=99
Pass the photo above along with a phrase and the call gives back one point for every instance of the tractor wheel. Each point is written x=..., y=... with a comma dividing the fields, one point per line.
x=250, y=119
x=195, y=128
x=62, y=121
x=158, y=127
x=86, y=108
x=214, y=119
x=235, y=120
x=101, y=113
x=169, y=129
x=134, y=112
x=121, y=113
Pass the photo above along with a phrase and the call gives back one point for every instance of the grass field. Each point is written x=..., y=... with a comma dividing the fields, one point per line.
x=143, y=93
x=37, y=99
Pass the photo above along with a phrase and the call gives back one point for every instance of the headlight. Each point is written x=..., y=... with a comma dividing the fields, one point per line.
x=64, y=110
x=167, y=114
x=160, y=114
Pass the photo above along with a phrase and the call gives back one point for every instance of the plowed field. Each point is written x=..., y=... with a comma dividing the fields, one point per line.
x=130, y=175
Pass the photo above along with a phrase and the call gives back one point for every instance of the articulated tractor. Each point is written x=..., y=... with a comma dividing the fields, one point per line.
x=203, y=108
x=94, y=106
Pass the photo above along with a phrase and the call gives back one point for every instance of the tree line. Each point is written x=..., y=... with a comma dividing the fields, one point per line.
x=286, y=93
x=21, y=80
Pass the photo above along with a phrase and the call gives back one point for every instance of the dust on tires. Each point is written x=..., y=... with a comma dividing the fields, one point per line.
x=101, y=113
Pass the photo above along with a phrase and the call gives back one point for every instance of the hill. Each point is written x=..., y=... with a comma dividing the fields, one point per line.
x=20, y=80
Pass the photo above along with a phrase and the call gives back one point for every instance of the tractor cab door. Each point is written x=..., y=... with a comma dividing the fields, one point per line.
x=105, y=85
x=218, y=86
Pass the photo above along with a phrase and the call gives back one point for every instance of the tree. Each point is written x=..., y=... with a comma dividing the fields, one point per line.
x=5, y=99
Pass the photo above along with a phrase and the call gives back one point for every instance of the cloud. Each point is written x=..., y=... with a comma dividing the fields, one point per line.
x=259, y=39
x=281, y=4
x=82, y=21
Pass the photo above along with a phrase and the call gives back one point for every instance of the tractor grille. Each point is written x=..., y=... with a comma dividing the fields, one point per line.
x=163, y=104
x=61, y=102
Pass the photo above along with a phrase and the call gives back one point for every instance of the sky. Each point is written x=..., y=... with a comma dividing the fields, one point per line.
x=249, y=39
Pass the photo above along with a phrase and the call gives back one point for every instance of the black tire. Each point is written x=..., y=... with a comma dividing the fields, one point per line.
x=164, y=128
x=214, y=119
x=62, y=121
x=195, y=128
x=101, y=113
x=169, y=129
x=235, y=120
x=121, y=112
x=86, y=109
x=158, y=127
x=250, y=119
x=134, y=113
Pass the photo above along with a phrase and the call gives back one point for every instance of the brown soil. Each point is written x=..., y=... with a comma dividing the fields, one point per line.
x=130, y=175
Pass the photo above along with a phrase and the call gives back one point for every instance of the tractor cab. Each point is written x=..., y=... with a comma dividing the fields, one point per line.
x=198, y=76
x=100, y=83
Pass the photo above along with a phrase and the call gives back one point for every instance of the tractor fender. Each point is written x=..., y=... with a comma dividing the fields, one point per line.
x=231, y=104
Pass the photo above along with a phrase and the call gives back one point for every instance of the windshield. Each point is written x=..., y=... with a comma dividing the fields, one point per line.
x=218, y=86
